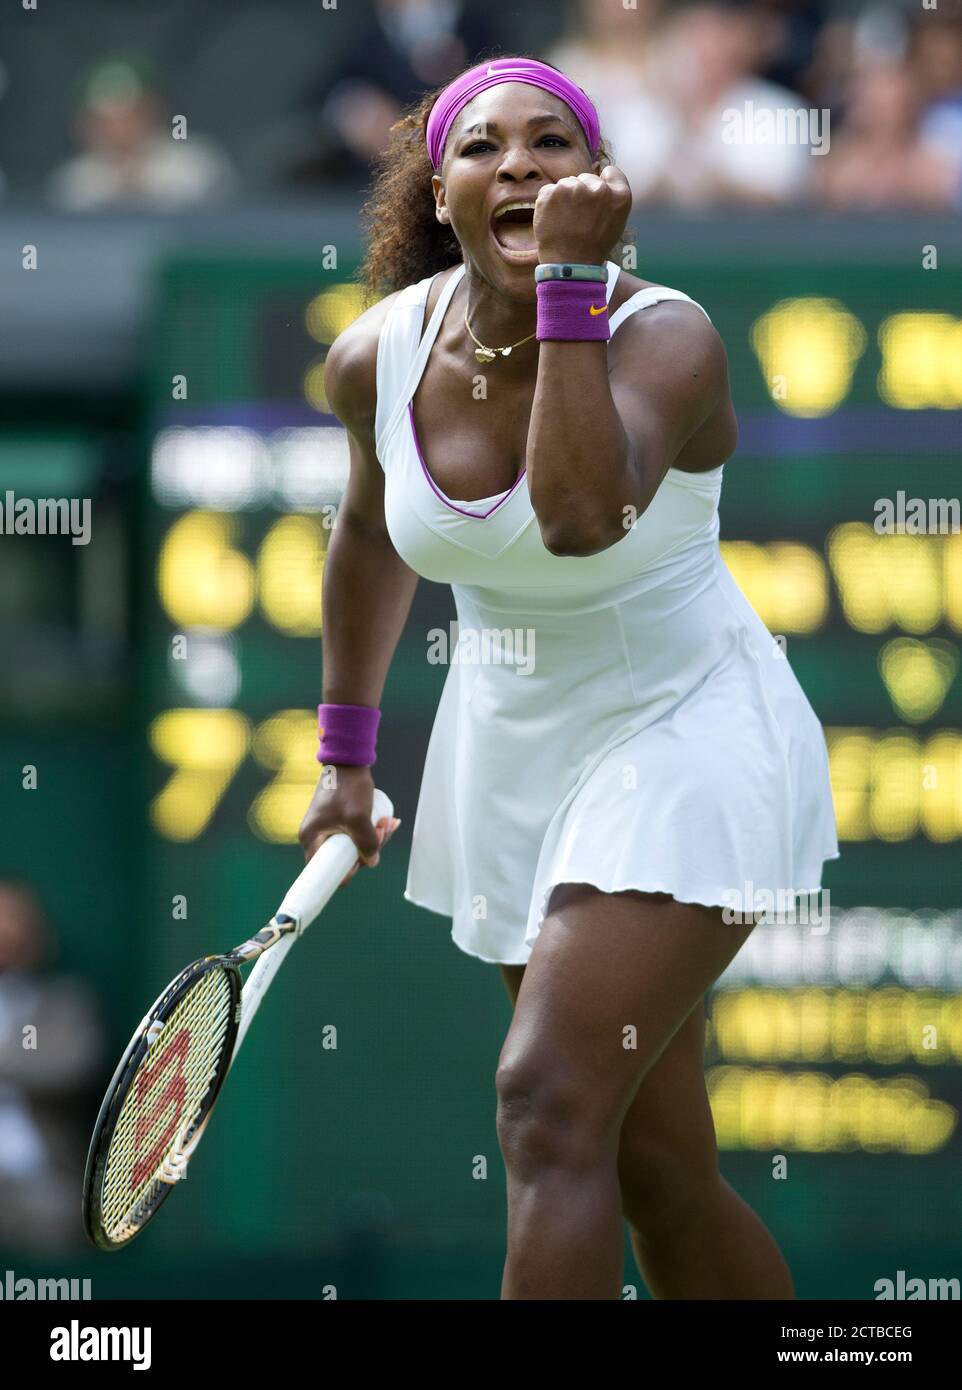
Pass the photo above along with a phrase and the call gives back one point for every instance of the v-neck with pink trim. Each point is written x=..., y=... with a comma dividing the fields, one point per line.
x=428, y=339
x=497, y=498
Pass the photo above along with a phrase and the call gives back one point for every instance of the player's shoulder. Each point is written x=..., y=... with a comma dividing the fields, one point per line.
x=691, y=329
x=350, y=368
x=628, y=286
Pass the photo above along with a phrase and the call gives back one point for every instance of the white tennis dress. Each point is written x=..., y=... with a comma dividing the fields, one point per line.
x=623, y=719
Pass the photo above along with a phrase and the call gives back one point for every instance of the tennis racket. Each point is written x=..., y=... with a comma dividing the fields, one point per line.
x=161, y=1096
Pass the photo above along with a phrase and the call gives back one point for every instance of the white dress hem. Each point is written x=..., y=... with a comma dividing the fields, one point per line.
x=718, y=899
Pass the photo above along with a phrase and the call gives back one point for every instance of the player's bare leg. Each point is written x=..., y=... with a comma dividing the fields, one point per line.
x=578, y=1152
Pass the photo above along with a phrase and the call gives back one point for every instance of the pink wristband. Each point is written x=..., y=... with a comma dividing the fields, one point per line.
x=348, y=734
x=572, y=310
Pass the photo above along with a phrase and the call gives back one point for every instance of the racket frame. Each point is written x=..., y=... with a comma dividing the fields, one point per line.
x=302, y=903
x=120, y=1086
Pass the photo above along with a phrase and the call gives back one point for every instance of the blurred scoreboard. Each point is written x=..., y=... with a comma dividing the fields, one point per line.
x=848, y=389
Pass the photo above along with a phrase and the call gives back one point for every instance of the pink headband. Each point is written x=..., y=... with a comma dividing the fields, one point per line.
x=458, y=93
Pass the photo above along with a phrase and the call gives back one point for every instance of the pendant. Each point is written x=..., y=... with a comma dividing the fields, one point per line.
x=506, y=352
x=484, y=354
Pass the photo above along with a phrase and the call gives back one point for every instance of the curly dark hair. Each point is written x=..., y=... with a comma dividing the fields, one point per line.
x=403, y=240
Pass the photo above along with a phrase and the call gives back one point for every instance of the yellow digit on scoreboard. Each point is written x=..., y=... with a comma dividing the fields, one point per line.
x=287, y=744
x=889, y=785
x=203, y=580
x=290, y=571
x=205, y=747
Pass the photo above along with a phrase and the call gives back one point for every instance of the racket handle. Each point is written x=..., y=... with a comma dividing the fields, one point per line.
x=323, y=873
x=316, y=884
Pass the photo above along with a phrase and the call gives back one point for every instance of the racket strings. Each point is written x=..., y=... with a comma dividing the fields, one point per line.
x=164, y=1102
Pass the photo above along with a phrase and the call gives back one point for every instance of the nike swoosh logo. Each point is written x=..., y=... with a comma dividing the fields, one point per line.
x=595, y=312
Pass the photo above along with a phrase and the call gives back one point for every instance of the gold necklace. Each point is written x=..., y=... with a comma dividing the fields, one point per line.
x=486, y=354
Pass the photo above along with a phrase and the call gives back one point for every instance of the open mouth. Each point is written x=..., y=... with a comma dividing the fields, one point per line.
x=513, y=229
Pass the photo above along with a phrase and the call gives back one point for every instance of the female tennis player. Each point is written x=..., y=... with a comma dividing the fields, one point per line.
x=619, y=750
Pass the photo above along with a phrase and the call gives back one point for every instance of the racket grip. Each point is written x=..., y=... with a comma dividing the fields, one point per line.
x=323, y=873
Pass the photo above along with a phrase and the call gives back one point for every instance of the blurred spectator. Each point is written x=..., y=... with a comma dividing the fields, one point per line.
x=828, y=80
x=697, y=131
x=130, y=158
x=787, y=35
x=936, y=63
x=609, y=55
x=408, y=46
x=876, y=36
x=50, y=1051
x=879, y=160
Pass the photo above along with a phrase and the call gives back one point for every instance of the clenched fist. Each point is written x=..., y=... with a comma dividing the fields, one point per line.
x=580, y=218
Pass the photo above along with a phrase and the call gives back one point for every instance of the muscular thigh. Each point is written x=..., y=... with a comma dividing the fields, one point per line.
x=670, y=1113
x=609, y=1007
